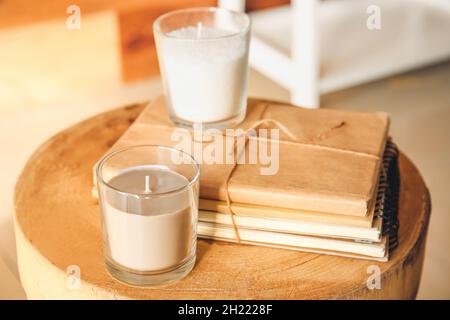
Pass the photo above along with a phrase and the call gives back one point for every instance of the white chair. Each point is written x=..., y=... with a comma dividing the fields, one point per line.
x=314, y=47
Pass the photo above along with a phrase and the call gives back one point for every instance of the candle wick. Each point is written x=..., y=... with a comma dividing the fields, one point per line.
x=147, y=185
x=199, y=30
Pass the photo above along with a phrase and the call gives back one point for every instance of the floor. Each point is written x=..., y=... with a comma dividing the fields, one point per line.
x=49, y=84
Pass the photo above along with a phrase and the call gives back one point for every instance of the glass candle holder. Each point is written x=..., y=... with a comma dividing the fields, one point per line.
x=203, y=58
x=149, y=203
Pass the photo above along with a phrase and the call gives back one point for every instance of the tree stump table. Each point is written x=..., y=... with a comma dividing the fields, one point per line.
x=58, y=235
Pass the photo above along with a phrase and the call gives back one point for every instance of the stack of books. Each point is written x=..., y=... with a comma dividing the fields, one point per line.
x=367, y=236
x=334, y=190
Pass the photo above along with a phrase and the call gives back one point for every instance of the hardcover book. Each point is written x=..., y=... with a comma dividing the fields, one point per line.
x=328, y=160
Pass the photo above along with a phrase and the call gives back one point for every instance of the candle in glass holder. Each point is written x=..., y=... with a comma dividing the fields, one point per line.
x=149, y=212
x=203, y=55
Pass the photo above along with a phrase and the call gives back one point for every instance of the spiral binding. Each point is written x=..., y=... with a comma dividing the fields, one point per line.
x=386, y=207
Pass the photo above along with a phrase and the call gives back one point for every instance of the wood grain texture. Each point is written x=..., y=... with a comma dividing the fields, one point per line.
x=15, y=13
x=23, y=12
x=253, y=5
x=137, y=46
x=58, y=225
x=135, y=19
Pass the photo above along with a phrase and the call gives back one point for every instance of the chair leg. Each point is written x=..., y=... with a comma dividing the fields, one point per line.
x=305, y=54
x=305, y=96
x=235, y=5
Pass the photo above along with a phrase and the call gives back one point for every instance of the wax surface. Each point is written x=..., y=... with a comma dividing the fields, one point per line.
x=149, y=234
x=133, y=180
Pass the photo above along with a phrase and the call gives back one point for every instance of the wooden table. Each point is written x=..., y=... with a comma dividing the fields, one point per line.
x=58, y=227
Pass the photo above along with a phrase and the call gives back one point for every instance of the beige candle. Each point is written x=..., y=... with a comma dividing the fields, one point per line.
x=149, y=203
x=148, y=234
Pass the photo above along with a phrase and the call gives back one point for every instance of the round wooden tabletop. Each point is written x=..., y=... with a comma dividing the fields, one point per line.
x=58, y=237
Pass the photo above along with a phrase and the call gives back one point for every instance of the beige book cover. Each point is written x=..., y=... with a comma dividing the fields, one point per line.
x=329, y=160
x=370, y=234
x=340, y=247
x=301, y=216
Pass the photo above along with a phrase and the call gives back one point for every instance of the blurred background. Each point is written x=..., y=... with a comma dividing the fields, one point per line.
x=63, y=61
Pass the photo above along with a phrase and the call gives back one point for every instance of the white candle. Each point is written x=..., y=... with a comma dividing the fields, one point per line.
x=206, y=82
x=204, y=68
x=148, y=234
